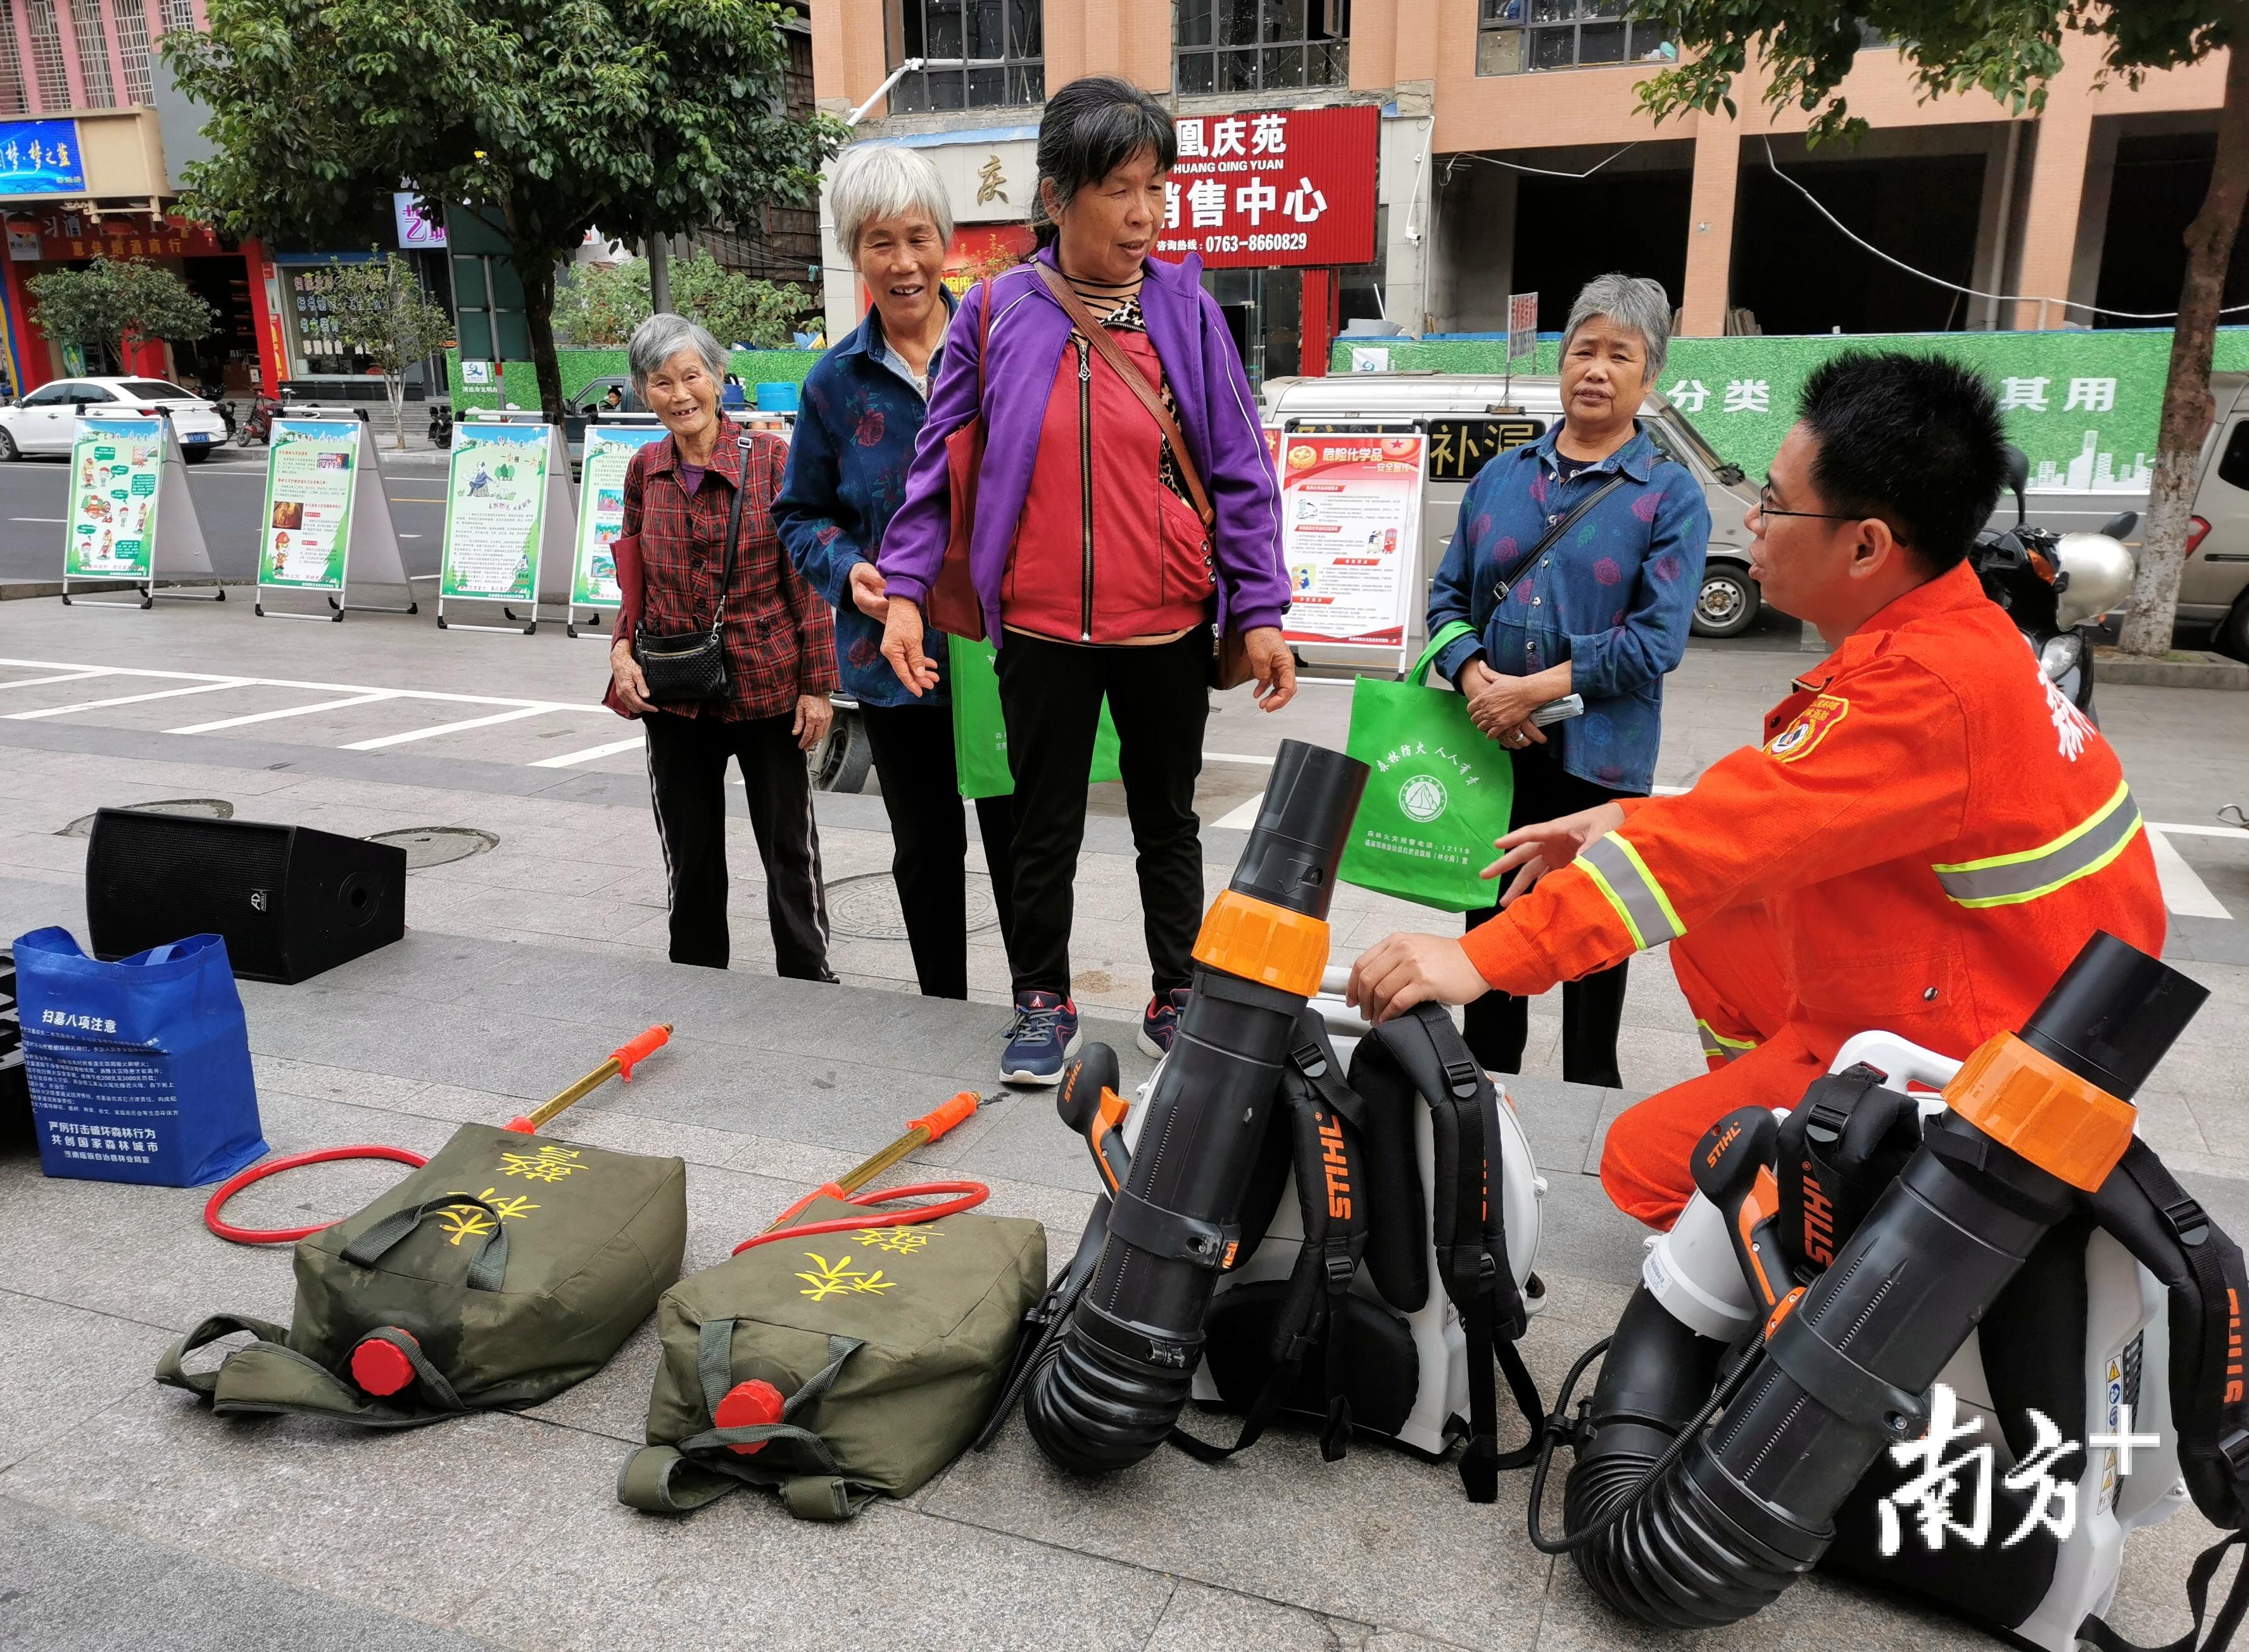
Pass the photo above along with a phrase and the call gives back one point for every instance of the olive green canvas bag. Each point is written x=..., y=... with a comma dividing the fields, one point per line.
x=506, y=1268
x=888, y=1346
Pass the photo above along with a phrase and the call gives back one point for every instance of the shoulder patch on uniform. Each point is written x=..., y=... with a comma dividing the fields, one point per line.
x=1810, y=727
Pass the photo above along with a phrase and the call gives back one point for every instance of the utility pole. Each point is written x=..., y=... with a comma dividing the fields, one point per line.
x=659, y=272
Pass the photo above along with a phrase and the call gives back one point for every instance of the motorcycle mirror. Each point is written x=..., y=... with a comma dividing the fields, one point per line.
x=2120, y=524
x=2018, y=479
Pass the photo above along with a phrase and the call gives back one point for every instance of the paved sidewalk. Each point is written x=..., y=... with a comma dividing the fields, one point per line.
x=129, y=1518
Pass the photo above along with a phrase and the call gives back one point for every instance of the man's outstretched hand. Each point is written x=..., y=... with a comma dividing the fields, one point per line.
x=1402, y=970
x=1532, y=851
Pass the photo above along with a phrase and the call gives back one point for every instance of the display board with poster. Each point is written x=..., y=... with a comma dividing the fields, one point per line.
x=1350, y=510
x=508, y=522
x=327, y=520
x=610, y=450
x=131, y=516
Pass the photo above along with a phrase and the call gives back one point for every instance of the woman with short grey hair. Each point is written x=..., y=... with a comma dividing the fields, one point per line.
x=1575, y=566
x=699, y=554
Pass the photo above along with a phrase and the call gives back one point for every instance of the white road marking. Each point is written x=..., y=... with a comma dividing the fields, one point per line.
x=2183, y=891
x=1237, y=757
x=290, y=682
x=127, y=700
x=66, y=676
x=520, y=713
x=2176, y=830
x=1241, y=818
x=56, y=520
x=287, y=710
x=592, y=752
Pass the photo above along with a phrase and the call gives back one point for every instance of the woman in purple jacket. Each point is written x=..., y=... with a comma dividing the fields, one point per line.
x=1088, y=558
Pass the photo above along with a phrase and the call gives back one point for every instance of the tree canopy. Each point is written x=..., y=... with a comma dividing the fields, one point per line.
x=118, y=303
x=384, y=314
x=601, y=304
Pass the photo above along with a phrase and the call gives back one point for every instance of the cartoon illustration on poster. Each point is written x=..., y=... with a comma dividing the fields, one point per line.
x=307, y=524
x=1350, y=509
x=495, y=508
x=601, y=509
x=115, y=466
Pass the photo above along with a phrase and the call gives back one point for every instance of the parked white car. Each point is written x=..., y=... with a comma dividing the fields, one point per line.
x=46, y=420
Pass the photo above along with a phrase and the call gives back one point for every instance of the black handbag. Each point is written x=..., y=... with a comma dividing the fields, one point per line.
x=691, y=665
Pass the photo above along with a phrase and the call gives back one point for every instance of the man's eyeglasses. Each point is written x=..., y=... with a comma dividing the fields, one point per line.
x=1766, y=507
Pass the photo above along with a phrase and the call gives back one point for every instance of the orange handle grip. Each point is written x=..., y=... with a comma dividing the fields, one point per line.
x=945, y=1117
x=628, y=1055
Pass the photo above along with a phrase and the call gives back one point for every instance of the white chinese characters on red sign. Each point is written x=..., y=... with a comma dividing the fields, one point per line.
x=1278, y=187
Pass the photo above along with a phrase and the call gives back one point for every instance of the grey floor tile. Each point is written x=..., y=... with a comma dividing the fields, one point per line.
x=60, y=1367
x=1199, y=1618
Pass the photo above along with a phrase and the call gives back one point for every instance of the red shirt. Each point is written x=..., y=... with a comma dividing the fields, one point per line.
x=779, y=637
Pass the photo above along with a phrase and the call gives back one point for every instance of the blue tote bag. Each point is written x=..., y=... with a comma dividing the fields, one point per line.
x=139, y=1070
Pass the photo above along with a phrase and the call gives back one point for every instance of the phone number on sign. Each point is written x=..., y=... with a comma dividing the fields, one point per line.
x=1286, y=241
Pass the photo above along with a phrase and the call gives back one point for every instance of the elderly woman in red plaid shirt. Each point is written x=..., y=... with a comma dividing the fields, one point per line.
x=780, y=645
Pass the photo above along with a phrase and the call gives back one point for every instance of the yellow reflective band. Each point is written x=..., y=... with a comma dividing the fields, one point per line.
x=1654, y=888
x=1638, y=942
x=1716, y=1045
x=1617, y=870
x=2008, y=880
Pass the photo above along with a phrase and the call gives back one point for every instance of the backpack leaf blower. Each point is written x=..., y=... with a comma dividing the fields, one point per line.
x=1120, y=1371
x=1689, y=1526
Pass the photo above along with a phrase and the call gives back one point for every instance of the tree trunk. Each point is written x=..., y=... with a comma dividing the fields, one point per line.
x=393, y=386
x=536, y=270
x=2187, y=406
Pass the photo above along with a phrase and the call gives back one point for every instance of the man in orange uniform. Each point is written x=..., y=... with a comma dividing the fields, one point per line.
x=1927, y=836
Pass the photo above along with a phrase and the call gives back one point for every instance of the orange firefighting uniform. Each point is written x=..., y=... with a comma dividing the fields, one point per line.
x=1927, y=837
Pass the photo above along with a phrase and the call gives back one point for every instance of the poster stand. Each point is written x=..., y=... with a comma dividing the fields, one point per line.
x=1400, y=604
x=509, y=520
x=361, y=538
x=611, y=441
x=140, y=500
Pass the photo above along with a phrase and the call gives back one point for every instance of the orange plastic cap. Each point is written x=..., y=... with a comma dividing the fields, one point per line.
x=521, y=1124
x=379, y=1365
x=938, y=1122
x=1264, y=943
x=2067, y=1127
x=748, y=1405
x=628, y=1055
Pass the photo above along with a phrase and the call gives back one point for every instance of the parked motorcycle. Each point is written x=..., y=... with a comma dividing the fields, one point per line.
x=2056, y=587
x=441, y=424
x=214, y=393
x=258, y=427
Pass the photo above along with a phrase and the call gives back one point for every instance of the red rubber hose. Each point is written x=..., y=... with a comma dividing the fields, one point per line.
x=972, y=1194
x=236, y=1182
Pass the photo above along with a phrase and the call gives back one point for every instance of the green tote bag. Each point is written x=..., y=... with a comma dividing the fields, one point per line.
x=1439, y=793
x=980, y=733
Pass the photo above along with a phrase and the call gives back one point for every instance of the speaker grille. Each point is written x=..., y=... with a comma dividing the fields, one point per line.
x=156, y=878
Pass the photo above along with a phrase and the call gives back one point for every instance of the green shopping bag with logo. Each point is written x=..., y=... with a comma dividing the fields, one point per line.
x=1439, y=795
x=980, y=733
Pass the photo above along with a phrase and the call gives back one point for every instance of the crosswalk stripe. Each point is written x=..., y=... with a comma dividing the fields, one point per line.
x=2183, y=891
x=592, y=752
x=127, y=700
x=381, y=740
x=287, y=711
x=66, y=676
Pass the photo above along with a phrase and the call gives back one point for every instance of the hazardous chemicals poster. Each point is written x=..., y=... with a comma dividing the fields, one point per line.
x=116, y=465
x=308, y=497
x=610, y=450
x=1350, y=509
x=495, y=511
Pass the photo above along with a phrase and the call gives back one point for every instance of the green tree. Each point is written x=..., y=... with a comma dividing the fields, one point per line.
x=385, y=314
x=2011, y=49
x=737, y=309
x=119, y=305
x=599, y=305
x=546, y=117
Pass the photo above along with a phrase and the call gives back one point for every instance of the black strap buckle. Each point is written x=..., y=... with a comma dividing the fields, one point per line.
x=1310, y=1059
x=2234, y=1448
x=1342, y=1269
x=1827, y=1120
x=2190, y=1223
x=1461, y=1077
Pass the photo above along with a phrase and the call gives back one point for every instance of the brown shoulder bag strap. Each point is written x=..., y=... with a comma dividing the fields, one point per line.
x=1097, y=335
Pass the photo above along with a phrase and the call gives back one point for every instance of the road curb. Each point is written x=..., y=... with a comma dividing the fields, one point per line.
x=2181, y=668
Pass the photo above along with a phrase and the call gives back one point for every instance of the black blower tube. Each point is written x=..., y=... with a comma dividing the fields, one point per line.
x=1120, y=1377
x=2034, y=1120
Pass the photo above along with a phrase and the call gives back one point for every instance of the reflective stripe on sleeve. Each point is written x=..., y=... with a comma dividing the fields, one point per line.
x=2007, y=880
x=1617, y=870
x=1718, y=1047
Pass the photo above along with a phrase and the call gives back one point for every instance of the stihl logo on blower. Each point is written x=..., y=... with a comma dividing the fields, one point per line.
x=1339, y=1170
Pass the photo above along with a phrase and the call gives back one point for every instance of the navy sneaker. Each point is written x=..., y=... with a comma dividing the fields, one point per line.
x=1159, y=1023
x=1042, y=1036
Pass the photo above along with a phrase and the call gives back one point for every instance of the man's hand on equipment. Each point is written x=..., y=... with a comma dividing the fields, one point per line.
x=813, y=714
x=867, y=591
x=1274, y=666
x=625, y=672
x=902, y=637
x=1402, y=970
x=1532, y=851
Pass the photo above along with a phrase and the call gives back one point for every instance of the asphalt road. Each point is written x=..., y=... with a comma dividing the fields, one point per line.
x=230, y=495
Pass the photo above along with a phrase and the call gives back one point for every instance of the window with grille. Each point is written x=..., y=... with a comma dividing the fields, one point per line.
x=981, y=53
x=12, y=78
x=132, y=19
x=47, y=55
x=1516, y=35
x=93, y=54
x=1262, y=45
x=179, y=14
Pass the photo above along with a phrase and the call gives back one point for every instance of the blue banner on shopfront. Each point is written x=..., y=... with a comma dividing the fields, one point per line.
x=40, y=157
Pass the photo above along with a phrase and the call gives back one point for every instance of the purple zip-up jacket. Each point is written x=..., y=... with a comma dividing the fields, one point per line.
x=1216, y=413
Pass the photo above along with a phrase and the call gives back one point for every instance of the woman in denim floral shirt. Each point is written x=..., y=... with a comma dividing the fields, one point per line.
x=862, y=410
x=1602, y=613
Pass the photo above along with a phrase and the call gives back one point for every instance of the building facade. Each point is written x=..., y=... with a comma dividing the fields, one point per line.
x=1511, y=155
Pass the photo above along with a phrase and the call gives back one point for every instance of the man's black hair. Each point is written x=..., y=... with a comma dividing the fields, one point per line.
x=1915, y=440
x=1090, y=128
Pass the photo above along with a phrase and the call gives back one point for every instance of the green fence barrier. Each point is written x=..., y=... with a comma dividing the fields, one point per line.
x=519, y=381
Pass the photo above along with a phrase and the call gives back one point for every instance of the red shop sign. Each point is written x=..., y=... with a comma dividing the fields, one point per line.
x=66, y=235
x=1274, y=187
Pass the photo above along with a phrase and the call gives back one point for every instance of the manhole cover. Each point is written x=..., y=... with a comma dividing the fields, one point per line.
x=866, y=908
x=199, y=808
x=435, y=845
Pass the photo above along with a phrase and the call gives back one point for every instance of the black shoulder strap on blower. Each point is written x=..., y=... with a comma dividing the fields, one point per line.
x=2170, y=1234
x=1469, y=1228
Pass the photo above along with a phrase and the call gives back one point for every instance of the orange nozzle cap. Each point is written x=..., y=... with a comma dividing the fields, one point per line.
x=631, y=1055
x=746, y=1405
x=379, y=1365
x=945, y=1117
x=522, y=1126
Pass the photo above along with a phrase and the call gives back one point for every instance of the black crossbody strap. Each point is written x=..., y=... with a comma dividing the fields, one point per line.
x=1559, y=528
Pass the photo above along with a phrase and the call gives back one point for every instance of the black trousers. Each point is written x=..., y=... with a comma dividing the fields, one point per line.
x=1050, y=696
x=687, y=759
x=913, y=755
x=1497, y=1024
